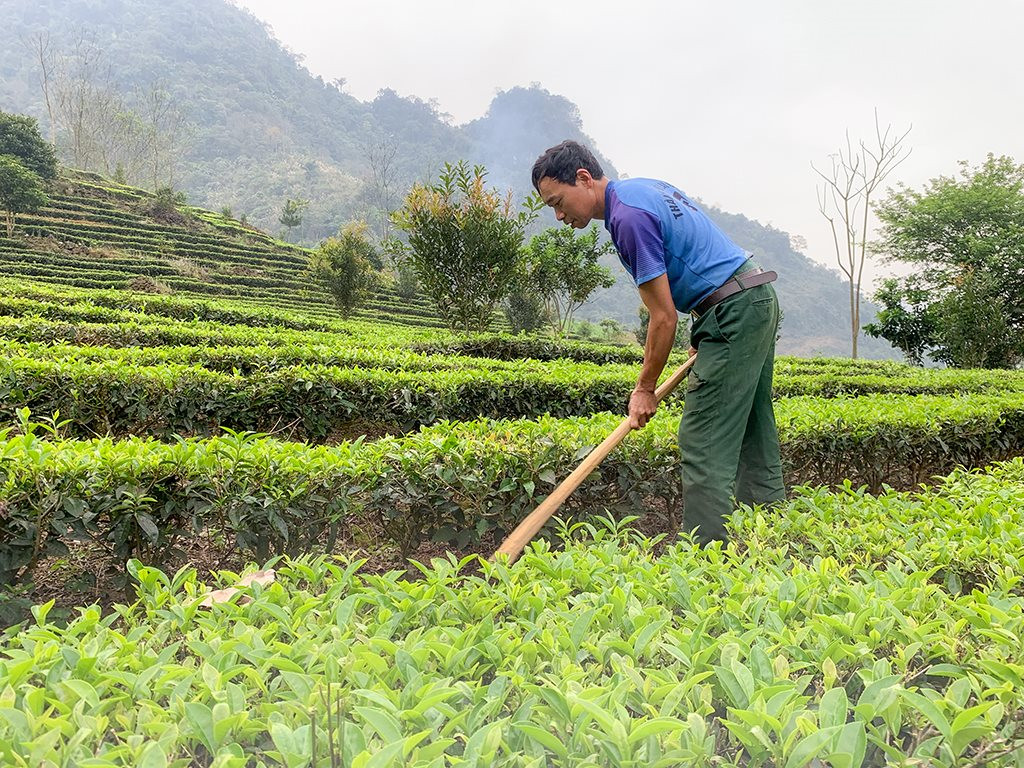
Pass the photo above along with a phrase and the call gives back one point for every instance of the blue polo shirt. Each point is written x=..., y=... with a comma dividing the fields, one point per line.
x=657, y=230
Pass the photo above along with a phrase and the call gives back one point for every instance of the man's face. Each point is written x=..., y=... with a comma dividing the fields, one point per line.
x=574, y=204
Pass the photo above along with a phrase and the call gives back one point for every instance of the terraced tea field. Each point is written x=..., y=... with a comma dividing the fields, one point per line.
x=98, y=234
x=154, y=447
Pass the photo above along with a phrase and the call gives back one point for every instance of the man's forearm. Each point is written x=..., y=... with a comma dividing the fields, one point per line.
x=661, y=333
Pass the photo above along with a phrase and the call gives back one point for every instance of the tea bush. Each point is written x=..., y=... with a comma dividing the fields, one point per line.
x=595, y=655
x=452, y=482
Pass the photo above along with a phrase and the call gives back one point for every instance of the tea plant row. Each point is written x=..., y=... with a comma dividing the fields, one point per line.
x=34, y=303
x=54, y=313
x=119, y=392
x=452, y=482
x=309, y=401
x=793, y=375
x=769, y=654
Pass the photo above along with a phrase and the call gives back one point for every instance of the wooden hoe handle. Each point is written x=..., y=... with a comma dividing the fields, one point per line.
x=517, y=540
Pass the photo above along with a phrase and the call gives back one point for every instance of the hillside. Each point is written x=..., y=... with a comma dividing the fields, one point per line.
x=98, y=234
x=262, y=129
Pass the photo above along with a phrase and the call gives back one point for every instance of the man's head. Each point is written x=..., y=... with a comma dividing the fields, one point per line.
x=570, y=180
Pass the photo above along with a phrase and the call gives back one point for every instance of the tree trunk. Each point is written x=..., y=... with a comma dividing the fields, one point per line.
x=853, y=321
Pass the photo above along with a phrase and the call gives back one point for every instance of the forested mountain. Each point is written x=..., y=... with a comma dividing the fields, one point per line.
x=258, y=127
x=201, y=96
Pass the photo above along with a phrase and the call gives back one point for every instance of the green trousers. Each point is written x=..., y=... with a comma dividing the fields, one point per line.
x=728, y=438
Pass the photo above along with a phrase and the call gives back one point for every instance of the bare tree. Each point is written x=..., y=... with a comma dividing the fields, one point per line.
x=122, y=140
x=845, y=201
x=168, y=131
x=41, y=47
x=381, y=151
x=86, y=104
x=137, y=135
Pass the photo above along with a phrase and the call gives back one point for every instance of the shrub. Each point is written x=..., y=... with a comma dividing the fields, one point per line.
x=682, y=340
x=407, y=284
x=524, y=311
x=164, y=205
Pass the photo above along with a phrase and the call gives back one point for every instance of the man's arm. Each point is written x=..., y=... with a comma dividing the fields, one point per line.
x=661, y=333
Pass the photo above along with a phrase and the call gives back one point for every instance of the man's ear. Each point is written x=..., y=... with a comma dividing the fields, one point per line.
x=583, y=177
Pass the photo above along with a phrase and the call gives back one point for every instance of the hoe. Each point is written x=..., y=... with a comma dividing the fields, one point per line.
x=517, y=540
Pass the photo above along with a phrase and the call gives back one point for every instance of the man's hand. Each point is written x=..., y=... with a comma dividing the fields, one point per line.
x=693, y=351
x=642, y=406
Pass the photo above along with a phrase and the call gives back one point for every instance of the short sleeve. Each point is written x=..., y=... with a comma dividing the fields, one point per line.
x=637, y=236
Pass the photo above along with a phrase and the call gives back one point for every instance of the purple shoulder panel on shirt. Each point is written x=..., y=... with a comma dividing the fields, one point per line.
x=637, y=236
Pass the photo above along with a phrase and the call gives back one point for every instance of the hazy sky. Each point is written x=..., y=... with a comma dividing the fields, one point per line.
x=731, y=101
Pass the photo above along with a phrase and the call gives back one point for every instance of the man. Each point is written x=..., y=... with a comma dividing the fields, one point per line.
x=682, y=262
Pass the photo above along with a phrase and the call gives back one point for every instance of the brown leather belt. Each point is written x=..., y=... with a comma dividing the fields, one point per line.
x=733, y=285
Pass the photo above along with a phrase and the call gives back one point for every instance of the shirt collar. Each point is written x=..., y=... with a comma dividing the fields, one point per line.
x=608, y=205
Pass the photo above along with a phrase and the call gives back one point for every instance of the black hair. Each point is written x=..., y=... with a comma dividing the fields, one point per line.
x=561, y=162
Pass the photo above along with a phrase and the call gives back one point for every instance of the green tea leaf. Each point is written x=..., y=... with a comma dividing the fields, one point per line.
x=655, y=727
x=811, y=746
x=386, y=726
x=833, y=708
x=152, y=756
x=929, y=709
x=544, y=738
x=200, y=717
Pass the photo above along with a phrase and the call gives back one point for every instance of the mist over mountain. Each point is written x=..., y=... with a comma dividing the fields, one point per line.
x=258, y=129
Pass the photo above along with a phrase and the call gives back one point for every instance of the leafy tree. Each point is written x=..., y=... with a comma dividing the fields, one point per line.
x=584, y=329
x=524, y=310
x=611, y=328
x=907, y=319
x=21, y=190
x=291, y=213
x=20, y=138
x=563, y=269
x=404, y=280
x=344, y=266
x=964, y=305
x=464, y=243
